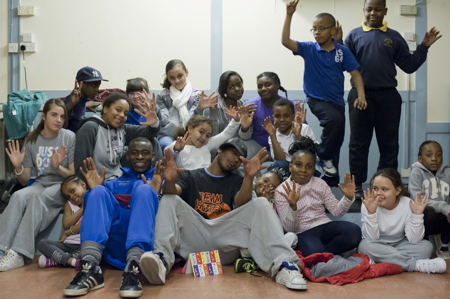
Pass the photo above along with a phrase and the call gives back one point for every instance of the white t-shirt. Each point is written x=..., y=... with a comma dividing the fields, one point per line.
x=392, y=226
x=285, y=141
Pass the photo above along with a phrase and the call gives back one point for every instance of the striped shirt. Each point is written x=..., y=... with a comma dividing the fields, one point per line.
x=315, y=197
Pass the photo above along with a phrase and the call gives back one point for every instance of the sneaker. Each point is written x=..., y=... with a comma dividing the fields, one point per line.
x=328, y=168
x=436, y=265
x=245, y=264
x=291, y=239
x=45, y=262
x=290, y=276
x=154, y=267
x=441, y=249
x=11, y=260
x=88, y=279
x=131, y=287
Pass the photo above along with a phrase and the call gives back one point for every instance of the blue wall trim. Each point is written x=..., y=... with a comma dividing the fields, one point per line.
x=13, y=37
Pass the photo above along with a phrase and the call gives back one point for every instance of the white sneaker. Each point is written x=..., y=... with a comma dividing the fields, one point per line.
x=291, y=277
x=328, y=167
x=153, y=268
x=11, y=260
x=291, y=239
x=436, y=265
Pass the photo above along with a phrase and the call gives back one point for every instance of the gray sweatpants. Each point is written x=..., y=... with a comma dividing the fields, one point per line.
x=403, y=253
x=30, y=211
x=255, y=225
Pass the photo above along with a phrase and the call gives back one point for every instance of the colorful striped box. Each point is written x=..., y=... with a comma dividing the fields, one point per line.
x=205, y=263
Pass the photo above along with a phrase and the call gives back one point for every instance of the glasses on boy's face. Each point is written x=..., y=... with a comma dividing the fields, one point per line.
x=319, y=29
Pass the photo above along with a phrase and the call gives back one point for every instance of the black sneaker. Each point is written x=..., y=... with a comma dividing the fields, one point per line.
x=131, y=286
x=245, y=264
x=89, y=278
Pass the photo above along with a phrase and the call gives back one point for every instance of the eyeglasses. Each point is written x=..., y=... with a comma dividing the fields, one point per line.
x=320, y=29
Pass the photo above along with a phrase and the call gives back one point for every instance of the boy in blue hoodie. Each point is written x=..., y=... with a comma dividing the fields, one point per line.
x=118, y=221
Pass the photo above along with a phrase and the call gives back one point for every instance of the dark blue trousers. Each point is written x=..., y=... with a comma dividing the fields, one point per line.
x=335, y=237
x=332, y=119
x=116, y=227
x=382, y=116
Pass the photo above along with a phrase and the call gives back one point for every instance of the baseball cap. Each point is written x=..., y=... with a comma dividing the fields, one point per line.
x=236, y=143
x=89, y=74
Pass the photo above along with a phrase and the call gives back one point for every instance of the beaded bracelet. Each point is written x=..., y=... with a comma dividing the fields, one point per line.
x=20, y=172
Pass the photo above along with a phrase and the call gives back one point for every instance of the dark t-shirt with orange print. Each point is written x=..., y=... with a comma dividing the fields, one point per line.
x=209, y=195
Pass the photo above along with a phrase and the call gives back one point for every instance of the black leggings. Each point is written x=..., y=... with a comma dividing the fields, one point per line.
x=336, y=237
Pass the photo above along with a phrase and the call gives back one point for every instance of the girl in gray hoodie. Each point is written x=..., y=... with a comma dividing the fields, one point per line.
x=430, y=177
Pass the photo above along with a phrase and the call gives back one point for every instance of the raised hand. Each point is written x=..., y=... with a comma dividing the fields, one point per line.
x=265, y=190
x=75, y=95
x=58, y=156
x=360, y=103
x=208, y=101
x=156, y=181
x=232, y=112
x=147, y=109
x=370, y=201
x=291, y=194
x=246, y=113
x=90, y=173
x=15, y=154
x=268, y=126
x=419, y=204
x=291, y=7
x=299, y=119
x=338, y=35
x=431, y=37
x=171, y=172
x=181, y=142
x=349, y=186
x=254, y=165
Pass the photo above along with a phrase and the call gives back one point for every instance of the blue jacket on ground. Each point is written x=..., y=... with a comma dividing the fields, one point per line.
x=120, y=215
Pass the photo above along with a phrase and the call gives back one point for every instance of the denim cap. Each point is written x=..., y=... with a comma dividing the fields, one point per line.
x=89, y=74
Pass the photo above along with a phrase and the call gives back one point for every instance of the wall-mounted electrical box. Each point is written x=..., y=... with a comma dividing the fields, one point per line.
x=13, y=47
x=408, y=10
x=26, y=10
x=27, y=47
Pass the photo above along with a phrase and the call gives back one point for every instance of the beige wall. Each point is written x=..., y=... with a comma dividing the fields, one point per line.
x=252, y=30
x=3, y=50
x=438, y=98
x=122, y=38
x=137, y=38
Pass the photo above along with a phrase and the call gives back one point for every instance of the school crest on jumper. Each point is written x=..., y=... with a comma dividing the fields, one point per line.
x=388, y=42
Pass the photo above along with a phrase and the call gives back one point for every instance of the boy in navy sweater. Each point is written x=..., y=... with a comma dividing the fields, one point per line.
x=378, y=49
x=325, y=62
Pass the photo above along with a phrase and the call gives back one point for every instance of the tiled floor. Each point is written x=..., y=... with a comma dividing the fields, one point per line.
x=31, y=282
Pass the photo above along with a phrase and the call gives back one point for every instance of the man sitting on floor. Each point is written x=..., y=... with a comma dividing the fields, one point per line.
x=118, y=221
x=212, y=208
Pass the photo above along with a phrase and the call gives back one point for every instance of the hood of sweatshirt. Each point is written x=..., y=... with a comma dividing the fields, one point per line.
x=436, y=186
